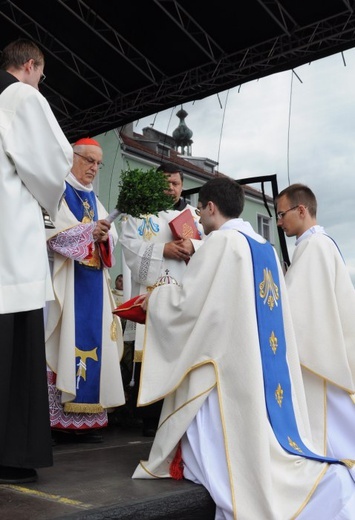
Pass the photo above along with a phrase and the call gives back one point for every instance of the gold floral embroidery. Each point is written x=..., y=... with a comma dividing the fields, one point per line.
x=268, y=289
x=273, y=342
x=294, y=445
x=279, y=395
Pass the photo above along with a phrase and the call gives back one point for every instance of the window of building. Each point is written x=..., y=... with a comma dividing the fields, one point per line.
x=163, y=151
x=265, y=227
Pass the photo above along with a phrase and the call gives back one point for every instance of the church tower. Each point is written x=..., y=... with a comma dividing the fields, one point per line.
x=182, y=134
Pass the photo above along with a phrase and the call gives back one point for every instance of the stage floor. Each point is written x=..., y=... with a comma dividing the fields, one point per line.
x=93, y=482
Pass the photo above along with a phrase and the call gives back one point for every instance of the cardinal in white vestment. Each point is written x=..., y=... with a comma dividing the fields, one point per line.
x=84, y=342
x=322, y=300
x=220, y=350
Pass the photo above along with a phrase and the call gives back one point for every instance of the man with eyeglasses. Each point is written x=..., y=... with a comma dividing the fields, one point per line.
x=149, y=250
x=83, y=338
x=220, y=349
x=35, y=158
x=322, y=299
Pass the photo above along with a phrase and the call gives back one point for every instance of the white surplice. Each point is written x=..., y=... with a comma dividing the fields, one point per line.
x=322, y=300
x=201, y=353
x=35, y=159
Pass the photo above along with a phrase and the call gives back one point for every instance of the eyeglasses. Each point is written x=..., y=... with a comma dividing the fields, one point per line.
x=90, y=160
x=281, y=214
x=198, y=210
x=42, y=78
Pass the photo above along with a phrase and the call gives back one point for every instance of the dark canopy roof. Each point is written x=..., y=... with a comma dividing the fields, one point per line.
x=111, y=62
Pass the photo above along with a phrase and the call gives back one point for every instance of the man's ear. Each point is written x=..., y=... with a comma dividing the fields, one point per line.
x=211, y=207
x=302, y=210
x=29, y=64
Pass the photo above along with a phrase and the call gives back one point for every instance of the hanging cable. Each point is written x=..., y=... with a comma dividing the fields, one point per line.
x=220, y=136
x=289, y=124
x=288, y=131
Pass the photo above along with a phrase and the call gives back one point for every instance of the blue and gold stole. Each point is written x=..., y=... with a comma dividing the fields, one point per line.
x=277, y=383
x=88, y=302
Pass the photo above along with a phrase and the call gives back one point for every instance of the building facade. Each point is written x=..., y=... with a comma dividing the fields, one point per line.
x=125, y=149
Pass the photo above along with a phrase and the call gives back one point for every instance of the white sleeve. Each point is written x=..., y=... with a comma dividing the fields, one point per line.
x=44, y=157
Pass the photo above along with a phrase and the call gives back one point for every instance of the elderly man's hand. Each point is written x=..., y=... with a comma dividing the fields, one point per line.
x=101, y=230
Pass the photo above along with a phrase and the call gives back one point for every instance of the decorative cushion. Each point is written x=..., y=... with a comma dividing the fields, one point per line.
x=131, y=310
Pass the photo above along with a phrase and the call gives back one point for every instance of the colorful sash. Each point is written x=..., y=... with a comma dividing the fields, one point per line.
x=88, y=301
x=272, y=341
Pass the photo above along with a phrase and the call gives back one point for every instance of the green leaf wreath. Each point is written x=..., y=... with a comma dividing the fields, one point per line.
x=142, y=192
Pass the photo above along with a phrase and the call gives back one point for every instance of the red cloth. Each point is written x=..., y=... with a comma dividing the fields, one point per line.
x=131, y=310
x=176, y=468
x=105, y=253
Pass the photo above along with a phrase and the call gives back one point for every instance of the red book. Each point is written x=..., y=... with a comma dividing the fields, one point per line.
x=183, y=226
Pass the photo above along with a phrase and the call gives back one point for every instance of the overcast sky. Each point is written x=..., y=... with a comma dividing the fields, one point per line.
x=301, y=128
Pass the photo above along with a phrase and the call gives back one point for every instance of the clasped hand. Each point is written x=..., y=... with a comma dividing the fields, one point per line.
x=180, y=249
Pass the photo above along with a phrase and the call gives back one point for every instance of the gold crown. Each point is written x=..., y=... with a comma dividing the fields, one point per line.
x=165, y=279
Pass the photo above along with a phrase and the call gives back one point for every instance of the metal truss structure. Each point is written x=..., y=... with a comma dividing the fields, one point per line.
x=110, y=63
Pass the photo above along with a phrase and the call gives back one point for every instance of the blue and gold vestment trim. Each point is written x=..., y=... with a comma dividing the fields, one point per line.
x=277, y=383
x=148, y=227
x=88, y=310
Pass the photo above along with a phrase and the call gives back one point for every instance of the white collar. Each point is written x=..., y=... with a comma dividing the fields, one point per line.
x=311, y=231
x=73, y=181
x=241, y=225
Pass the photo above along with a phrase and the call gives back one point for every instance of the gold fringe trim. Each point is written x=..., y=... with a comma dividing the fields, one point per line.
x=113, y=331
x=349, y=463
x=352, y=397
x=83, y=408
x=138, y=356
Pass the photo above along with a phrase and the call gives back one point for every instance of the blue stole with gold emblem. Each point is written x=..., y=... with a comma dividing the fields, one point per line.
x=277, y=383
x=88, y=302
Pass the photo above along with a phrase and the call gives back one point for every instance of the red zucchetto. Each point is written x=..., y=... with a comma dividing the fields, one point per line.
x=87, y=141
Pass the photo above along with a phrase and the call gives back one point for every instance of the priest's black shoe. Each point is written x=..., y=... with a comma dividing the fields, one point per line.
x=10, y=475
